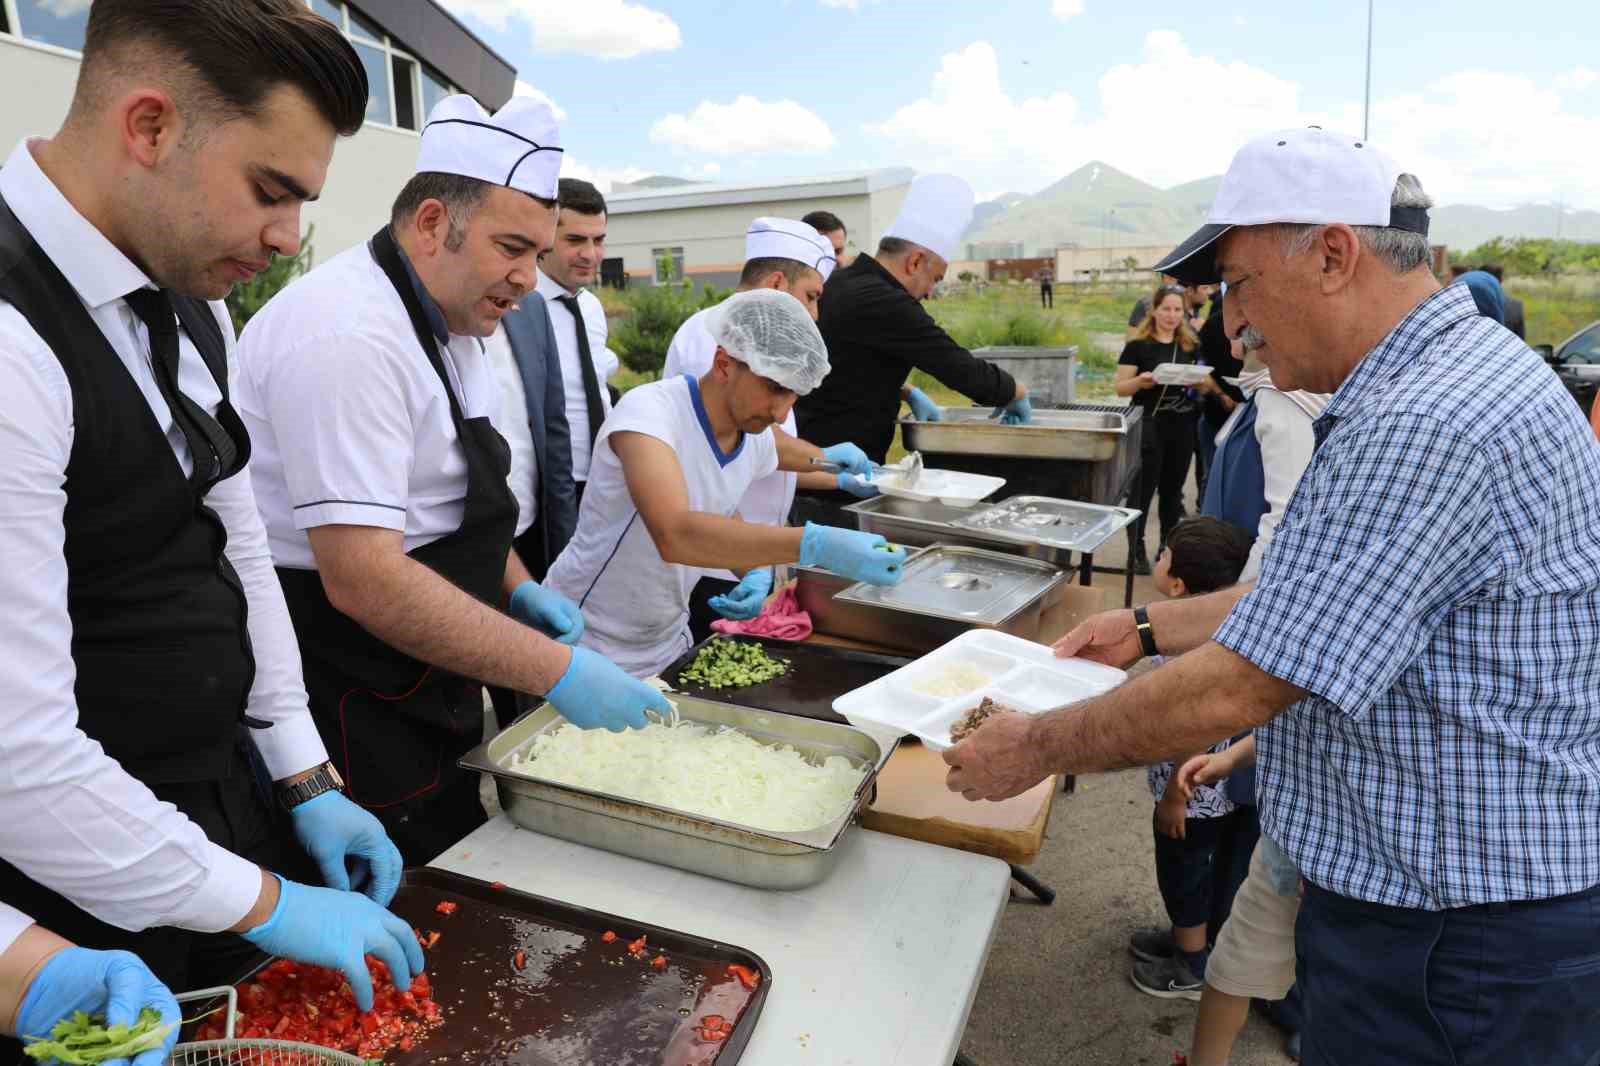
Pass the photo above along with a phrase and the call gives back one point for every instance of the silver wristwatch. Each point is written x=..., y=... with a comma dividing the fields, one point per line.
x=323, y=779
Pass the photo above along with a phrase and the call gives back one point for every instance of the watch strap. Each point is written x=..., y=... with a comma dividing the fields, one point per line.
x=1147, y=637
x=323, y=779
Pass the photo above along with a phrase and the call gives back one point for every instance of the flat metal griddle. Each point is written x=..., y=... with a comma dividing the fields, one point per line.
x=818, y=674
x=578, y=1001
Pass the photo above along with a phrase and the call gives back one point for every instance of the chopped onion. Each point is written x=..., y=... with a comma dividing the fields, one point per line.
x=717, y=773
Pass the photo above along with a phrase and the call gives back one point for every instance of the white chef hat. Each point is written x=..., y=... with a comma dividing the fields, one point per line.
x=518, y=146
x=771, y=332
x=937, y=211
x=784, y=238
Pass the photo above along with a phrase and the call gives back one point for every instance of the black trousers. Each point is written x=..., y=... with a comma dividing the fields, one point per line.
x=1197, y=875
x=1164, y=456
x=701, y=614
x=1047, y=296
x=233, y=813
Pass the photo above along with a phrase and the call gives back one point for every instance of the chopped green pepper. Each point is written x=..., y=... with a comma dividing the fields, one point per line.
x=732, y=664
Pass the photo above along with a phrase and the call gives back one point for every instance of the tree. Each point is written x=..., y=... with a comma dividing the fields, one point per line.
x=248, y=297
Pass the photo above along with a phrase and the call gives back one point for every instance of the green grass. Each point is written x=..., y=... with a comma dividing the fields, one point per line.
x=1556, y=308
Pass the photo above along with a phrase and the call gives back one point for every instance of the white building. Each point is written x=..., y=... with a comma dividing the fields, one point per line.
x=697, y=231
x=414, y=52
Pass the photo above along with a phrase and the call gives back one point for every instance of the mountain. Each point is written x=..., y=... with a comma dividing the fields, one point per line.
x=1097, y=204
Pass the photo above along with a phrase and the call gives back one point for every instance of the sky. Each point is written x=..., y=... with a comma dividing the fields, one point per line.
x=1491, y=103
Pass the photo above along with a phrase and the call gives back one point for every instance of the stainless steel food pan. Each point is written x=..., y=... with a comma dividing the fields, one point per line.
x=673, y=838
x=1069, y=525
x=920, y=616
x=1085, y=436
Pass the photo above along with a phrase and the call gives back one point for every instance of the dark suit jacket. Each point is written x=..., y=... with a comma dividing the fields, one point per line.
x=533, y=345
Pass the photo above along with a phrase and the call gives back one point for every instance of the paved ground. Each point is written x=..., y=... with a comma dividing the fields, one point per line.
x=1056, y=990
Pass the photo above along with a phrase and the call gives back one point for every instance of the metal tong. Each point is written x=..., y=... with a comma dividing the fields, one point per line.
x=908, y=470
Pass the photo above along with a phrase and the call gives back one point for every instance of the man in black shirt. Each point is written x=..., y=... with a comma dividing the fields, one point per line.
x=877, y=331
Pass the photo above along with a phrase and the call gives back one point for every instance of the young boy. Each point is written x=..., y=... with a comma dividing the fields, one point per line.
x=1201, y=555
x=1254, y=955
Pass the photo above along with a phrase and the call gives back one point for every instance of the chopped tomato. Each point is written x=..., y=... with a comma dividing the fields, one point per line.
x=747, y=977
x=608, y=936
x=520, y=960
x=636, y=947
x=431, y=939
x=309, y=1004
x=713, y=1034
x=658, y=963
x=497, y=884
x=421, y=987
x=446, y=907
x=712, y=1021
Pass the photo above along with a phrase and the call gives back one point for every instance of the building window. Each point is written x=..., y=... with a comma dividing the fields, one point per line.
x=434, y=89
x=58, y=22
x=669, y=264
x=396, y=82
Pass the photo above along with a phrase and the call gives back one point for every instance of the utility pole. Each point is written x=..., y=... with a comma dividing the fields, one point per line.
x=1366, y=104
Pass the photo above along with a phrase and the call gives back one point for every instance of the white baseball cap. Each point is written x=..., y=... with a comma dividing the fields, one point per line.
x=1312, y=176
x=784, y=238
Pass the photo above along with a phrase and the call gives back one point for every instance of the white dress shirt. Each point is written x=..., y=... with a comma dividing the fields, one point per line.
x=349, y=422
x=605, y=362
x=513, y=425
x=1283, y=431
x=766, y=502
x=70, y=817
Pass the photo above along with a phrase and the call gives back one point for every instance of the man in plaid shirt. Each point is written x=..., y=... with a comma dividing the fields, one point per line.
x=1419, y=654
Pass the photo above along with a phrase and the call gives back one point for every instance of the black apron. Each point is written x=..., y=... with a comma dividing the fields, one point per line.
x=394, y=725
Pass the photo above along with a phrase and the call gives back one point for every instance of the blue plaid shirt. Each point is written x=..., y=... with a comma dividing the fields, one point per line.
x=1435, y=584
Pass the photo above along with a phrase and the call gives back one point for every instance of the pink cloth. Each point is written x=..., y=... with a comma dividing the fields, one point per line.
x=781, y=619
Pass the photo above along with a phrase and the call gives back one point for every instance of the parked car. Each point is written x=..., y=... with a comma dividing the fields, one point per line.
x=1576, y=361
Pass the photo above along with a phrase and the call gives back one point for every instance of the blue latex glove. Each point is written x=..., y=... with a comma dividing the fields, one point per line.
x=851, y=553
x=852, y=459
x=547, y=611
x=1015, y=413
x=116, y=984
x=594, y=693
x=922, y=408
x=326, y=927
x=743, y=601
x=350, y=846
x=861, y=490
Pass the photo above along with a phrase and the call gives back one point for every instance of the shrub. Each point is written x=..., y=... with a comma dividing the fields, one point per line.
x=248, y=297
x=652, y=316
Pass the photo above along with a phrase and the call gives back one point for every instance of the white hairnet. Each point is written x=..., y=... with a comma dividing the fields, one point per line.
x=770, y=332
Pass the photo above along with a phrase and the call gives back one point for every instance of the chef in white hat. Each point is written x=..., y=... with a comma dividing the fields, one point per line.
x=382, y=480
x=877, y=332
x=791, y=257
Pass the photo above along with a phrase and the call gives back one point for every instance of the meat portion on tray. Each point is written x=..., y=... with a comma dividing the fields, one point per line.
x=968, y=723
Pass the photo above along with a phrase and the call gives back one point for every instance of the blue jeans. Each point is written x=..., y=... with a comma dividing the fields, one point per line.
x=1514, y=984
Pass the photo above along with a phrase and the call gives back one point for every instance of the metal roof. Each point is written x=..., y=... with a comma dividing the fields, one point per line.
x=439, y=39
x=677, y=197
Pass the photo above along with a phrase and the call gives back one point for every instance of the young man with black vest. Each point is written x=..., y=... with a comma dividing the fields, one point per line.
x=149, y=668
x=382, y=479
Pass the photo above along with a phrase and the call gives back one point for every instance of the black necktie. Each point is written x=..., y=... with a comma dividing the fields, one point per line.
x=591, y=381
x=211, y=450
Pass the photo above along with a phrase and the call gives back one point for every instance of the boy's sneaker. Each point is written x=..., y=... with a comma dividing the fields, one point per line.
x=1168, y=978
x=1152, y=945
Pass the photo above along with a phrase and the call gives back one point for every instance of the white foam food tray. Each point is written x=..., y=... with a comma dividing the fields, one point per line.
x=1180, y=373
x=1018, y=673
x=953, y=488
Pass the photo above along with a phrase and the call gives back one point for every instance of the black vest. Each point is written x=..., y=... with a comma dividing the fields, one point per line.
x=159, y=640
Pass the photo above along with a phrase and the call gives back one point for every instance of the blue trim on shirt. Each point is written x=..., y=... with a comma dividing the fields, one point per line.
x=723, y=458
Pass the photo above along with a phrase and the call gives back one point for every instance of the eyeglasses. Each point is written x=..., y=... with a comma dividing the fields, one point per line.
x=1165, y=289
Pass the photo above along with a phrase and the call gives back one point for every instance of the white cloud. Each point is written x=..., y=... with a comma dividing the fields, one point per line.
x=852, y=5
x=711, y=170
x=601, y=29
x=65, y=8
x=603, y=178
x=969, y=123
x=1483, y=137
x=746, y=126
x=1479, y=137
x=524, y=89
x=1066, y=9
x=1578, y=79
